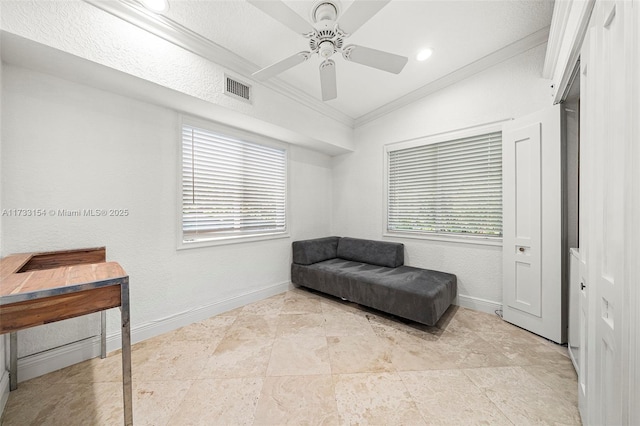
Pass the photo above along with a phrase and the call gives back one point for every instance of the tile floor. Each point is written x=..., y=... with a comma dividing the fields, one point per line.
x=304, y=358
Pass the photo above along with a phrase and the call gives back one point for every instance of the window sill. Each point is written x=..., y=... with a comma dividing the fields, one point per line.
x=460, y=239
x=212, y=242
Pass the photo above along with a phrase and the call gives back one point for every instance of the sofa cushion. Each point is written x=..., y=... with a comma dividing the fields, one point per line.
x=417, y=294
x=379, y=253
x=308, y=252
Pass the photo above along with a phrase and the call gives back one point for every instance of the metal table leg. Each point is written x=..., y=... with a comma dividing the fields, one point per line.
x=103, y=334
x=13, y=361
x=126, y=355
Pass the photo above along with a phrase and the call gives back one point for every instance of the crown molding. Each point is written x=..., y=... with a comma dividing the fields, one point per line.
x=171, y=31
x=559, y=22
x=532, y=40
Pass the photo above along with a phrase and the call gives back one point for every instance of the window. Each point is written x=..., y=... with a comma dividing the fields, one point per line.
x=232, y=187
x=446, y=187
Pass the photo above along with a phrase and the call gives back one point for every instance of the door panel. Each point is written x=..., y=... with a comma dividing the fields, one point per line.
x=606, y=114
x=532, y=289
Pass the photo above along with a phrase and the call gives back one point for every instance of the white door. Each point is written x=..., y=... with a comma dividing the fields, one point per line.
x=532, y=223
x=608, y=117
x=587, y=122
x=608, y=147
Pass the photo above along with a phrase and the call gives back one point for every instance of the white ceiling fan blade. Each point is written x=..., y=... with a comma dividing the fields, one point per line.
x=281, y=66
x=359, y=13
x=328, y=80
x=284, y=14
x=375, y=58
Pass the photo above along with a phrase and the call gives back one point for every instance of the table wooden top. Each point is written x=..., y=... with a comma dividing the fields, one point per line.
x=30, y=276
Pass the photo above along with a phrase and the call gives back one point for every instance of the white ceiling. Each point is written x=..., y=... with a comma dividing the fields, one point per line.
x=459, y=32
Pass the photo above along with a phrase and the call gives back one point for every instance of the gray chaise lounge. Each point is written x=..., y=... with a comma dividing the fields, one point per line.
x=371, y=273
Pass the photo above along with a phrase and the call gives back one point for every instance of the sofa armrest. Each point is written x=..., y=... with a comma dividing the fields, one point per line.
x=307, y=252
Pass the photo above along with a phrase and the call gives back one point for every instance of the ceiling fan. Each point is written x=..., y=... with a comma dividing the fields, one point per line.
x=326, y=36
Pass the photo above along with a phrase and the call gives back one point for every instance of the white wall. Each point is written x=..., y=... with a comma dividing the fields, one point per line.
x=69, y=146
x=508, y=90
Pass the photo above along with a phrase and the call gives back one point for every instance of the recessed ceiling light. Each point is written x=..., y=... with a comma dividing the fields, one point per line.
x=157, y=6
x=424, y=54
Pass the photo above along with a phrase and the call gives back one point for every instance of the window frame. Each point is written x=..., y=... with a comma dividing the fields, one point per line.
x=429, y=140
x=242, y=135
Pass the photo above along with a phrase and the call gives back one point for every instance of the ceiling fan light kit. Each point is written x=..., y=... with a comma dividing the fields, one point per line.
x=326, y=37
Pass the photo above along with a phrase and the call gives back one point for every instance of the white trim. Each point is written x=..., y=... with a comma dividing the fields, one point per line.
x=4, y=389
x=229, y=131
x=482, y=64
x=558, y=27
x=54, y=359
x=181, y=36
x=495, y=126
x=221, y=241
x=568, y=28
x=478, y=304
x=459, y=239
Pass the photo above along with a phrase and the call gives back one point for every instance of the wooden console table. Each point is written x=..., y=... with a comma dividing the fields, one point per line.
x=40, y=288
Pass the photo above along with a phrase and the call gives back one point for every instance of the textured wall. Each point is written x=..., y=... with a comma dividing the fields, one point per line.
x=85, y=31
x=69, y=146
x=508, y=90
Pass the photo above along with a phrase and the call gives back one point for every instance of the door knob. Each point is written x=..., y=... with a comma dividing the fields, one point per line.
x=521, y=249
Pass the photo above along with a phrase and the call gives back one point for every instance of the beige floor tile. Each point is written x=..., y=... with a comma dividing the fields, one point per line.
x=480, y=322
x=232, y=313
x=413, y=354
x=155, y=402
x=359, y=354
x=302, y=305
x=238, y=358
x=449, y=397
x=177, y=360
x=270, y=306
x=291, y=325
x=212, y=372
x=212, y=329
x=468, y=350
x=219, y=402
x=250, y=327
x=523, y=398
x=375, y=399
x=301, y=355
x=530, y=354
x=297, y=400
x=65, y=404
x=345, y=323
x=393, y=329
x=562, y=378
x=94, y=370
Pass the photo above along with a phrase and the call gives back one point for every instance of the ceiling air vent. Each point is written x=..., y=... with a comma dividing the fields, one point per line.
x=236, y=89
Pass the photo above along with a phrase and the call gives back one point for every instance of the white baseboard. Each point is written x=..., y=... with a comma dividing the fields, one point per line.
x=54, y=359
x=4, y=390
x=478, y=304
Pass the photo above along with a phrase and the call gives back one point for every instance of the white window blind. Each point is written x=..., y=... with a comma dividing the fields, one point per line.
x=452, y=187
x=231, y=187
